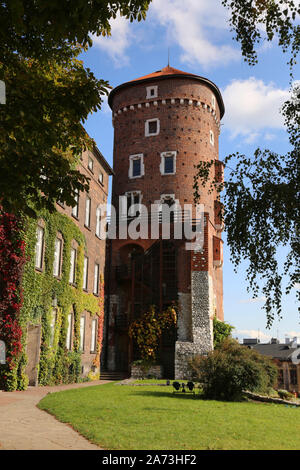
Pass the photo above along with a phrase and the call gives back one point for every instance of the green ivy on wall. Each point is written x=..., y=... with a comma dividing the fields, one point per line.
x=57, y=364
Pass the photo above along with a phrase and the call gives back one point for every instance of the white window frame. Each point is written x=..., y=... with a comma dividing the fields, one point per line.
x=87, y=214
x=69, y=332
x=147, y=133
x=57, y=257
x=163, y=155
x=39, y=247
x=213, y=101
x=52, y=325
x=98, y=222
x=91, y=164
x=96, y=278
x=211, y=137
x=94, y=335
x=72, y=276
x=132, y=194
x=101, y=177
x=82, y=332
x=149, y=89
x=85, y=272
x=75, y=209
x=138, y=156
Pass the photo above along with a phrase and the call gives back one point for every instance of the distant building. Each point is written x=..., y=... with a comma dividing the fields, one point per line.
x=287, y=358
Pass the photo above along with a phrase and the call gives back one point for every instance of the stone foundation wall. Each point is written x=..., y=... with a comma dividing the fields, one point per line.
x=137, y=372
x=202, y=325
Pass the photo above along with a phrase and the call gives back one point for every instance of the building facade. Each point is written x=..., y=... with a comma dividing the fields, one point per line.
x=57, y=322
x=287, y=358
x=164, y=124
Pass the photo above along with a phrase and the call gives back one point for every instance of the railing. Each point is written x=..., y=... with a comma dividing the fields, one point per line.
x=157, y=217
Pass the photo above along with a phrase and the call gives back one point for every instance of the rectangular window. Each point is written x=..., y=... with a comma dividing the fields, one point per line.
x=75, y=209
x=98, y=222
x=133, y=198
x=151, y=92
x=52, y=326
x=101, y=177
x=152, y=127
x=94, y=335
x=168, y=163
x=85, y=272
x=39, y=247
x=211, y=137
x=96, y=279
x=87, y=219
x=72, y=266
x=57, y=257
x=69, y=333
x=136, y=167
x=91, y=164
x=293, y=376
x=82, y=332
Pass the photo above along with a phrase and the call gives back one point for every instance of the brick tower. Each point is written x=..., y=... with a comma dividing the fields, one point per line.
x=164, y=124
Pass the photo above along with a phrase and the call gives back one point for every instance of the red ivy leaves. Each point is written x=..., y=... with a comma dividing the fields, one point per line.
x=12, y=259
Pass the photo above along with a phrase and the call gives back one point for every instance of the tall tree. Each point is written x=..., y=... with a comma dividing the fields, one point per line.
x=261, y=210
x=49, y=95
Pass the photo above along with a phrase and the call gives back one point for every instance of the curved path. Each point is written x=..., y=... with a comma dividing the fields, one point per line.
x=24, y=427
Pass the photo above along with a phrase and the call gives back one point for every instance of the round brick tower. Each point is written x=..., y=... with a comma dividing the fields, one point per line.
x=164, y=124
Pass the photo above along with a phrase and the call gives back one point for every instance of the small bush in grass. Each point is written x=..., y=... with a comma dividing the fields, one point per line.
x=225, y=372
x=285, y=395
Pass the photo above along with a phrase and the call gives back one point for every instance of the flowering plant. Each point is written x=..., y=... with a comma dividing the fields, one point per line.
x=147, y=330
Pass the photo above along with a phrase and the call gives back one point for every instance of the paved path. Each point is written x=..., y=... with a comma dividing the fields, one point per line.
x=24, y=427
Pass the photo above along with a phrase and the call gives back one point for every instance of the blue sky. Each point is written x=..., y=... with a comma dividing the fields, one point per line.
x=200, y=42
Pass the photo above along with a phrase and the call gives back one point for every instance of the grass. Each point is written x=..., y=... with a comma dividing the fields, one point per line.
x=153, y=418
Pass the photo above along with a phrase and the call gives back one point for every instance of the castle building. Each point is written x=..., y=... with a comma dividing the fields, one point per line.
x=58, y=325
x=164, y=124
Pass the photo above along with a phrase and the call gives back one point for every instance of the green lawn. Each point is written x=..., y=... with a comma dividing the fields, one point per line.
x=152, y=418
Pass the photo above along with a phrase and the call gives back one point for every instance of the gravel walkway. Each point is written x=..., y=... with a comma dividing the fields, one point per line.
x=24, y=427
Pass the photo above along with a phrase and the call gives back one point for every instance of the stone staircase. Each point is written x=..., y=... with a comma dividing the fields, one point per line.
x=113, y=375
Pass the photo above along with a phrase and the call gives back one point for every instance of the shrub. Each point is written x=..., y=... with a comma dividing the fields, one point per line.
x=225, y=372
x=285, y=395
x=222, y=330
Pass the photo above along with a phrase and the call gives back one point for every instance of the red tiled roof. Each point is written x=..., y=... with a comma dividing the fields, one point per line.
x=165, y=71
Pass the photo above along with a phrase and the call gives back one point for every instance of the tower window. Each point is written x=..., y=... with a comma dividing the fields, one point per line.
x=152, y=127
x=151, y=92
x=136, y=166
x=213, y=102
x=134, y=198
x=211, y=137
x=168, y=163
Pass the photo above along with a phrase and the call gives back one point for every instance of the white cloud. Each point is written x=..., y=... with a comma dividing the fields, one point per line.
x=254, y=300
x=199, y=28
x=253, y=107
x=264, y=338
x=296, y=285
x=115, y=45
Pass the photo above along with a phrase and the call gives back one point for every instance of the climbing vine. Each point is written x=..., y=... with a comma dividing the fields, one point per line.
x=147, y=330
x=12, y=259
